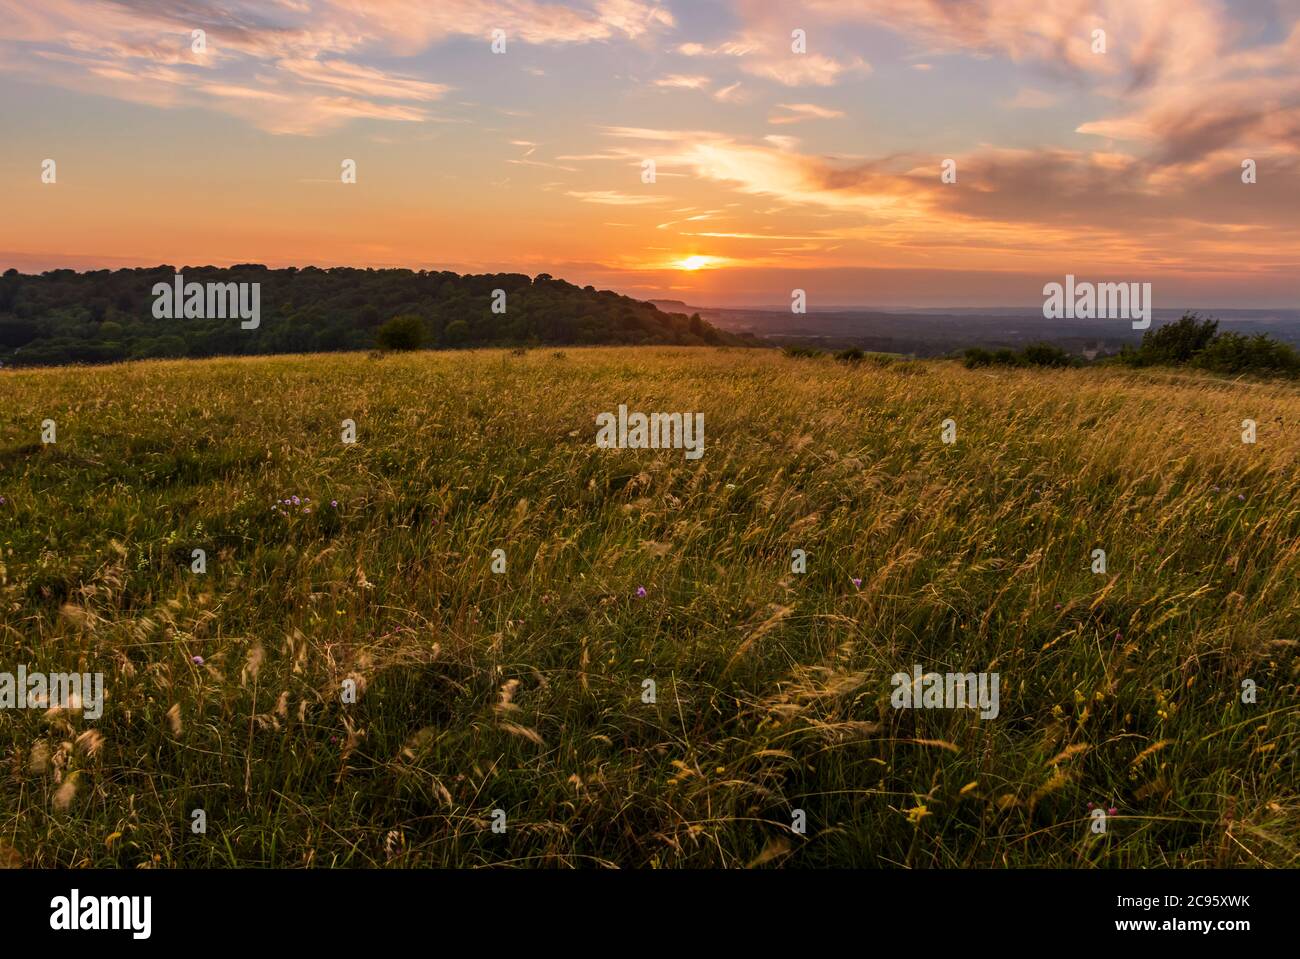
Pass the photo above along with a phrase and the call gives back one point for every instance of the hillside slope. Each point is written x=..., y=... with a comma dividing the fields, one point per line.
x=647, y=681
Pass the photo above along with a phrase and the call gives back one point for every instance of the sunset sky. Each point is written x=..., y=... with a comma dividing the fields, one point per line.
x=774, y=169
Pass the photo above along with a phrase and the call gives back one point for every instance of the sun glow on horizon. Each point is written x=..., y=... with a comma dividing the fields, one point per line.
x=693, y=263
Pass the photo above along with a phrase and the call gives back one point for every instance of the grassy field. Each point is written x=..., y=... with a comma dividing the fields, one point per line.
x=523, y=691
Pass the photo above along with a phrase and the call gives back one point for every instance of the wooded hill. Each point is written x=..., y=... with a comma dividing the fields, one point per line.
x=63, y=316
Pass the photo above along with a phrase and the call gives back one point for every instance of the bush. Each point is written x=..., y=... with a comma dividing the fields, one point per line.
x=404, y=332
x=801, y=352
x=1196, y=342
x=1044, y=354
x=1179, y=342
x=851, y=355
x=1234, y=353
x=1036, y=354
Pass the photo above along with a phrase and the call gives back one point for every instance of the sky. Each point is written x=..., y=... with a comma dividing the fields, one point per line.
x=794, y=145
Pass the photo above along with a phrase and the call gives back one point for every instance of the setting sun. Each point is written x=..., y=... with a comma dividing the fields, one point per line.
x=695, y=262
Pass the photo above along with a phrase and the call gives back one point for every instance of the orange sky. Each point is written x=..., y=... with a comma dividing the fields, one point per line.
x=775, y=167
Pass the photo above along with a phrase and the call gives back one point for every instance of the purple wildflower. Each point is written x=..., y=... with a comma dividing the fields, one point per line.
x=197, y=660
x=640, y=592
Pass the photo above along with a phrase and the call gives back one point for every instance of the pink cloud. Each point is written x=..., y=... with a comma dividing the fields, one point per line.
x=285, y=51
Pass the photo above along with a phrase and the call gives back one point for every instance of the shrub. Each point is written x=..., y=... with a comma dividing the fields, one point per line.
x=1036, y=354
x=1193, y=341
x=1234, y=353
x=801, y=352
x=404, y=332
x=1044, y=354
x=851, y=355
x=1177, y=342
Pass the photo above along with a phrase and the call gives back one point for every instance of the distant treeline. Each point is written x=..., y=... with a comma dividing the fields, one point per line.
x=62, y=316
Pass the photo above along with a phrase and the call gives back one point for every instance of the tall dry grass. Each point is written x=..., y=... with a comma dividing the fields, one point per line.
x=523, y=691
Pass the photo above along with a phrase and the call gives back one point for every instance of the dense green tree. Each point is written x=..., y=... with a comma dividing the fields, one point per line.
x=405, y=332
x=1178, y=342
x=456, y=333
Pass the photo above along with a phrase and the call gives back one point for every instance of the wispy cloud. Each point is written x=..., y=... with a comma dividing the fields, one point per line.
x=680, y=81
x=613, y=198
x=771, y=56
x=732, y=93
x=357, y=80
x=798, y=112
